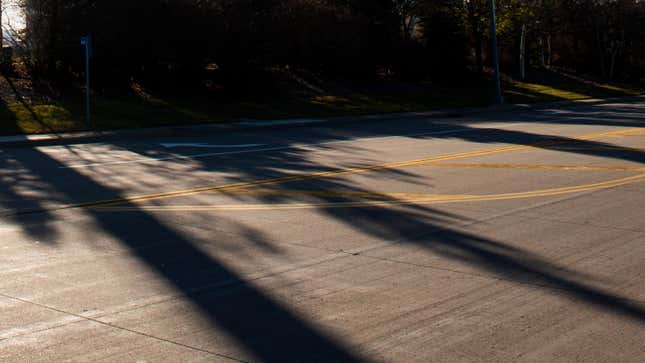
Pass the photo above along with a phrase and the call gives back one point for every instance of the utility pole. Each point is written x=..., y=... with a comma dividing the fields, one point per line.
x=493, y=36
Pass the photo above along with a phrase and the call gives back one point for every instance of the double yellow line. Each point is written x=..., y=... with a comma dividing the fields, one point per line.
x=356, y=170
x=326, y=174
x=396, y=199
x=538, y=166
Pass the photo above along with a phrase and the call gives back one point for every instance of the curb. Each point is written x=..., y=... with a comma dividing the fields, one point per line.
x=232, y=126
x=253, y=124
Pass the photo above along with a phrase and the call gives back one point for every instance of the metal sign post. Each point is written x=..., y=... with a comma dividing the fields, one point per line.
x=86, y=42
x=493, y=35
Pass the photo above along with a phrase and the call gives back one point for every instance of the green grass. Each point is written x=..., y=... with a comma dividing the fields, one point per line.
x=565, y=88
x=18, y=118
x=133, y=111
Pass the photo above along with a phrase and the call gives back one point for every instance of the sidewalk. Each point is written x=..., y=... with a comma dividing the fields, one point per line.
x=246, y=124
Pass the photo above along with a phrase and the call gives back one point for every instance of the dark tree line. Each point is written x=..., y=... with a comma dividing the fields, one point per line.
x=148, y=39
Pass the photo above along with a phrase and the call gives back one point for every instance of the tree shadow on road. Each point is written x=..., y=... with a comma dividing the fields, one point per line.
x=22, y=189
x=265, y=327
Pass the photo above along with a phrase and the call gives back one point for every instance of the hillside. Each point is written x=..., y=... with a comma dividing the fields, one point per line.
x=32, y=107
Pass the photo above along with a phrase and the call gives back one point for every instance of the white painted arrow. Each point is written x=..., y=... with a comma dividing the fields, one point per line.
x=205, y=145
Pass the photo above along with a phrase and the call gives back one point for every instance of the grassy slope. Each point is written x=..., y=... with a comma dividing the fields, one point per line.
x=142, y=110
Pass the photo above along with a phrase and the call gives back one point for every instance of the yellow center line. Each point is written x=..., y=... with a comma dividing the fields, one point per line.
x=303, y=177
x=418, y=199
x=356, y=170
x=598, y=148
x=341, y=194
x=536, y=166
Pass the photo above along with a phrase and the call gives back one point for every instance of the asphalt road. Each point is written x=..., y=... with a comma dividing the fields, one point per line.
x=510, y=236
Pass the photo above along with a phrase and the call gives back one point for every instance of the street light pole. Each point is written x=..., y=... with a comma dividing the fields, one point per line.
x=493, y=36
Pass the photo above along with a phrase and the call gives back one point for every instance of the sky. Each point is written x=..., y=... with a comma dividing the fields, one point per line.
x=12, y=18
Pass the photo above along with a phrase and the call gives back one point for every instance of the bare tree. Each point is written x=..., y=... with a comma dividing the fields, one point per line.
x=1, y=26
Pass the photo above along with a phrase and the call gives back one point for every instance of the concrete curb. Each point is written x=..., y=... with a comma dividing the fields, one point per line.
x=252, y=124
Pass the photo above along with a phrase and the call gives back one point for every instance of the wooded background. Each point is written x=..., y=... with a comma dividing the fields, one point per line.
x=174, y=41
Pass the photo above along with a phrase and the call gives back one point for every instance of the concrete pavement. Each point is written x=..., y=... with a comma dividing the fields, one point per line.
x=511, y=236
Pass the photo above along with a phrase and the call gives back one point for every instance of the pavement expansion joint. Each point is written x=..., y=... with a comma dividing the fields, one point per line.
x=111, y=325
x=496, y=278
x=391, y=271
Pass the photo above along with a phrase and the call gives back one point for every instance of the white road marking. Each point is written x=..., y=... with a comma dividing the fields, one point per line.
x=205, y=145
x=275, y=148
x=302, y=121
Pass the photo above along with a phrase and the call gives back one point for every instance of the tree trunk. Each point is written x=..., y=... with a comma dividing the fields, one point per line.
x=475, y=28
x=601, y=51
x=52, y=41
x=612, y=63
x=542, y=53
x=549, y=51
x=523, y=53
x=479, y=58
x=1, y=32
